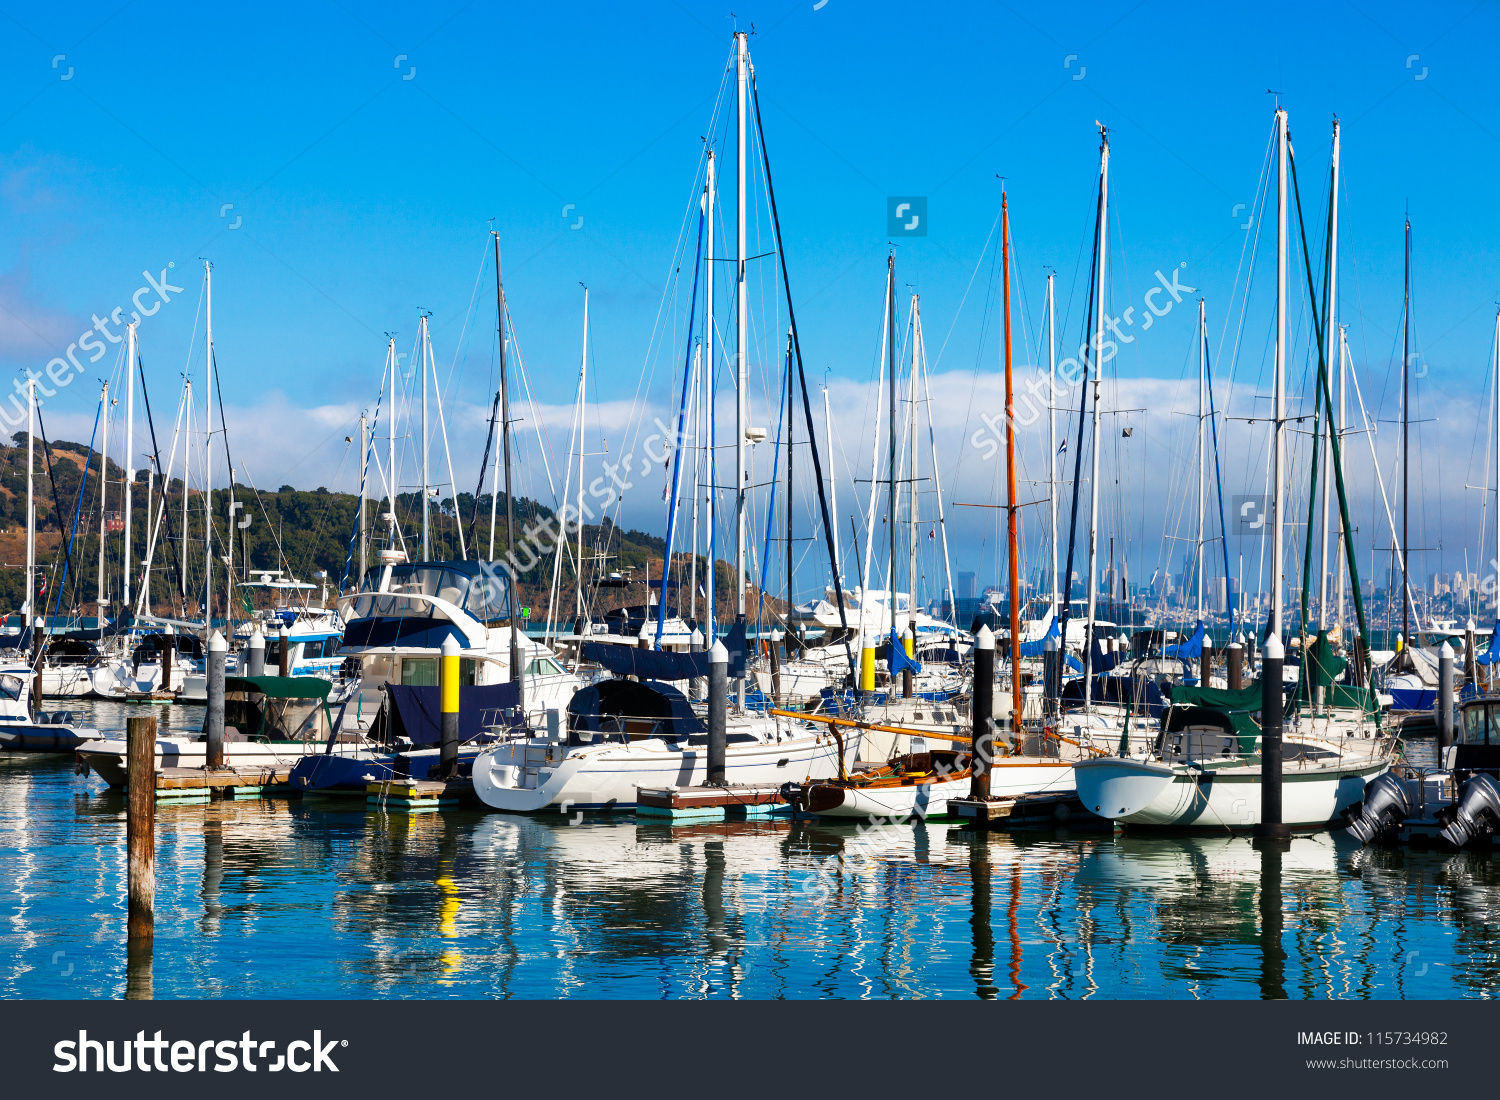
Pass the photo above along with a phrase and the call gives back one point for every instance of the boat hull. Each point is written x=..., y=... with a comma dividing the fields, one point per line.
x=26, y=737
x=1144, y=793
x=107, y=757
x=520, y=777
x=931, y=799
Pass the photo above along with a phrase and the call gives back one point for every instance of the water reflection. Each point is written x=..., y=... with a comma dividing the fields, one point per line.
x=330, y=898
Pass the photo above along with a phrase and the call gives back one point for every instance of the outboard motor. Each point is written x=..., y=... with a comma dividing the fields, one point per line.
x=1477, y=812
x=1387, y=804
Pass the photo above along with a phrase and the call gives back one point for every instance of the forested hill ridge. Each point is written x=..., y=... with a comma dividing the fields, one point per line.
x=302, y=532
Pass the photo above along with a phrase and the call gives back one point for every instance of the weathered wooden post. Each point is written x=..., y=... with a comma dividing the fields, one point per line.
x=140, y=852
x=906, y=646
x=448, y=670
x=213, y=722
x=255, y=654
x=1445, y=698
x=1271, y=704
x=284, y=658
x=983, y=715
x=718, y=706
x=1235, y=658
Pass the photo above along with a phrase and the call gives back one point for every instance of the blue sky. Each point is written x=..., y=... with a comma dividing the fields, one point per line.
x=364, y=195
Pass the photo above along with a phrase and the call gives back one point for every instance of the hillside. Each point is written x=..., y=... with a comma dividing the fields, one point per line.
x=303, y=532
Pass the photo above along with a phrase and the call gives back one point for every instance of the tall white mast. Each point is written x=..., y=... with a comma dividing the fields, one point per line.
x=31, y=611
x=583, y=377
x=1278, y=445
x=187, y=466
x=709, y=635
x=1096, y=341
x=1343, y=354
x=911, y=567
x=130, y=356
x=1496, y=563
x=1333, y=426
x=742, y=351
x=103, y=498
x=1202, y=445
x=833, y=490
x=426, y=500
x=390, y=431
x=208, y=452
x=1051, y=436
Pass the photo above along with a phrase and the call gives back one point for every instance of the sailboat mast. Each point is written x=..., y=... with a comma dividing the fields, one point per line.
x=208, y=451
x=890, y=513
x=710, y=596
x=1202, y=441
x=103, y=498
x=1406, y=443
x=1330, y=290
x=130, y=355
x=1278, y=445
x=1052, y=433
x=833, y=487
x=1343, y=357
x=791, y=428
x=31, y=615
x=1012, y=552
x=390, y=442
x=1097, y=341
x=583, y=379
x=911, y=496
x=516, y=670
x=742, y=352
x=426, y=497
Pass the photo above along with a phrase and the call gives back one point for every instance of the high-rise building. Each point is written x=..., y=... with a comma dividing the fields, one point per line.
x=968, y=586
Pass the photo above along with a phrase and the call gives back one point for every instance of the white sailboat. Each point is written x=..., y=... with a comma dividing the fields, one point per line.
x=1206, y=768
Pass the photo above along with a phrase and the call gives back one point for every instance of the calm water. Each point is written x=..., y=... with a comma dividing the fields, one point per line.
x=324, y=898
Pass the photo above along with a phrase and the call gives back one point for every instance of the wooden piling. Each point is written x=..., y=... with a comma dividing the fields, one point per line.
x=140, y=829
x=285, y=656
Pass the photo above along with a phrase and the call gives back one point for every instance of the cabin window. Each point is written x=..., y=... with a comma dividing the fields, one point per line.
x=543, y=666
x=423, y=671
x=11, y=687
x=1475, y=732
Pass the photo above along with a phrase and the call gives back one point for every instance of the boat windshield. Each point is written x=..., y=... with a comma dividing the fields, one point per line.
x=480, y=588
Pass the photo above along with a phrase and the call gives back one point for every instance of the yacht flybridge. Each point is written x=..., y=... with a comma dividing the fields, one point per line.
x=398, y=620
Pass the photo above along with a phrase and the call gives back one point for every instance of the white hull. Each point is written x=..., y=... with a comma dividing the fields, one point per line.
x=107, y=757
x=1148, y=793
x=519, y=777
x=66, y=682
x=931, y=799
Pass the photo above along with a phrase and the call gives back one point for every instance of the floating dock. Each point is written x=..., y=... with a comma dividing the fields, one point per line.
x=711, y=803
x=199, y=784
x=418, y=795
x=1013, y=811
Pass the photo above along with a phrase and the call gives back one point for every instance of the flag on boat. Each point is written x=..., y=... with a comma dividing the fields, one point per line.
x=1063, y=448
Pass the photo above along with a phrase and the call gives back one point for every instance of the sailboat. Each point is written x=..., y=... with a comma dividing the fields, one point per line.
x=622, y=735
x=923, y=780
x=22, y=727
x=1205, y=768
